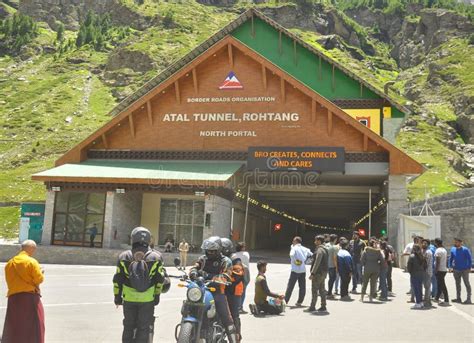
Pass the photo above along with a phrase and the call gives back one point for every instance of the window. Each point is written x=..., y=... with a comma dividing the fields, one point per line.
x=364, y=121
x=79, y=219
x=181, y=219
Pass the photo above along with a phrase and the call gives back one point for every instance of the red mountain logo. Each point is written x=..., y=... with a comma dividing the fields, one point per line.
x=231, y=82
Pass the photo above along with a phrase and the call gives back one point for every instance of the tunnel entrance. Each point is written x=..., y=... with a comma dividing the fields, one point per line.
x=290, y=205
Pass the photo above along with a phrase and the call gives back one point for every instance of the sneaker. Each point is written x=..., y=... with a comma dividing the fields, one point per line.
x=299, y=304
x=436, y=300
x=444, y=303
x=467, y=302
x=391, y=294
x=309, y=309
x=354, y=291
x=417, y=307
x=383, y=299
x=411, y=301
x=457, y=300
x=331, y=297
x=322, y=309
x=346, y=298
x=242, y=311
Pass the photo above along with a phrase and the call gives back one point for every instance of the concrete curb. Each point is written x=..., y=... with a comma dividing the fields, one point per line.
x=79, y=255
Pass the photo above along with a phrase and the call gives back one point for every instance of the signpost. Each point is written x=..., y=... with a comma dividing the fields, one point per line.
x=320, y=159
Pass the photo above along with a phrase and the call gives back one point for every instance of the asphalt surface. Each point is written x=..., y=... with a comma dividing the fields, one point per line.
x=79, y=307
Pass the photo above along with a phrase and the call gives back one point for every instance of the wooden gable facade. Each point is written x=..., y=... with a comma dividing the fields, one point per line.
x=146, y=124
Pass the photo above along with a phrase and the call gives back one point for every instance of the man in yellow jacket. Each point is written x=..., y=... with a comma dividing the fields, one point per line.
x=24, y=321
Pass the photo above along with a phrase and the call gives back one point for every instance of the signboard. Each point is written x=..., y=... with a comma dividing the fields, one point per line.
x=32, y=213
x=296, y=158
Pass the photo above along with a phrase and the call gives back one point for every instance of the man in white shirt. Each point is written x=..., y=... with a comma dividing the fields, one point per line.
x=441, y=268
x=298, y=256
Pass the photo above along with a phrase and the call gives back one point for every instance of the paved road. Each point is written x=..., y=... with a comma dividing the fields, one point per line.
x=79, y=308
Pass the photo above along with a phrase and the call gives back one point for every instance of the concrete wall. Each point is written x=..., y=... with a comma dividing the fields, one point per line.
x=126, y=215
x=220, y=211
x=397, y=203
x=151, y=213
x=46, y=238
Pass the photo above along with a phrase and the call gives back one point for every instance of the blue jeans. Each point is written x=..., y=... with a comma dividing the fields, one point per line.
x=336, y=283
x=383, y=282
x=301, y=278
x=417, y=286
x=434, y=285
x=242, y=299
x=356, y=274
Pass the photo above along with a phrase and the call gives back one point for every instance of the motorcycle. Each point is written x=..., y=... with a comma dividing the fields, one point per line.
x=199, y=322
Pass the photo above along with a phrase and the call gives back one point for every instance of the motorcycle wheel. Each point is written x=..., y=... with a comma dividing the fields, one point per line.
x=186, y=334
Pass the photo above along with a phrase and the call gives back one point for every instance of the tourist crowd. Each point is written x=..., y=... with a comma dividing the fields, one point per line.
x=365, y=263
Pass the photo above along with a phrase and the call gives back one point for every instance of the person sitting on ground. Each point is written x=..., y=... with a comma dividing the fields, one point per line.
x=169, y=244
x=262, y=292
x=371, y=260
x=344, y=268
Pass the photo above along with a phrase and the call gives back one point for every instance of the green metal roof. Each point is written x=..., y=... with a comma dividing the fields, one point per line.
x=229, y=29
x=147, y=170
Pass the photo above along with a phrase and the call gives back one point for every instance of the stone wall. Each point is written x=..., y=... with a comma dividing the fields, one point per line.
x=78, y=255
x=457, y=215
x=73, y=12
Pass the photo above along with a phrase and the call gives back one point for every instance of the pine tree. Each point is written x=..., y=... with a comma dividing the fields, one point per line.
x=60, y=33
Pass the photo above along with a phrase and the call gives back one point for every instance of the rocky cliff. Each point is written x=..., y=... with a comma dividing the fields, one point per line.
x=72, y=12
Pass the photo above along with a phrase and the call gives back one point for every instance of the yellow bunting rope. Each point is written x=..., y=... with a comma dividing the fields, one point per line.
x=286, y=215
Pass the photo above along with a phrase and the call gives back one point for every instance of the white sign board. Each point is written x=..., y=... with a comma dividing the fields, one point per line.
x=24, y=229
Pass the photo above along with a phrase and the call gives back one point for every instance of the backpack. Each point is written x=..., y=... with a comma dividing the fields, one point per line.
x=139, y=272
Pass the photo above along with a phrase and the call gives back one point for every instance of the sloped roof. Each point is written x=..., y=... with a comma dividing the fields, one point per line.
x=180, y=63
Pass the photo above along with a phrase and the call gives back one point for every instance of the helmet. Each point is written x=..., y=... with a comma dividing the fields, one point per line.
x=227, y=246
x=141, y=235
x=212, y=246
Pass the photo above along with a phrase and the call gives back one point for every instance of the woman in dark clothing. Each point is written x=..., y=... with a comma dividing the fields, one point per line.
x=416, y=267
x=384, y=270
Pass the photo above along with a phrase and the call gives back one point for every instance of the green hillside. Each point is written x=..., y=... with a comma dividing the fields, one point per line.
x=53, y=93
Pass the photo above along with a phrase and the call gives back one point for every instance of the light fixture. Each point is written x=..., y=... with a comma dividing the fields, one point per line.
x=120, y=190
x=199, y=194
x=56, y=189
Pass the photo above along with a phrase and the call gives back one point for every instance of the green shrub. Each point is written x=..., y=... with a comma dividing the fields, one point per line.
x=17, y=31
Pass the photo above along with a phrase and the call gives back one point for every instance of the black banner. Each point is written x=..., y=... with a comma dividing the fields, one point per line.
x=321, y=159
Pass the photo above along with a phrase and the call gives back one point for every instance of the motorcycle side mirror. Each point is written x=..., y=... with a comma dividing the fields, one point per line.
x=177, y=261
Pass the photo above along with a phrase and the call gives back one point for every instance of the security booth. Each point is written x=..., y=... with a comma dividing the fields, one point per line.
x=31, y=221
x=253, y=127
